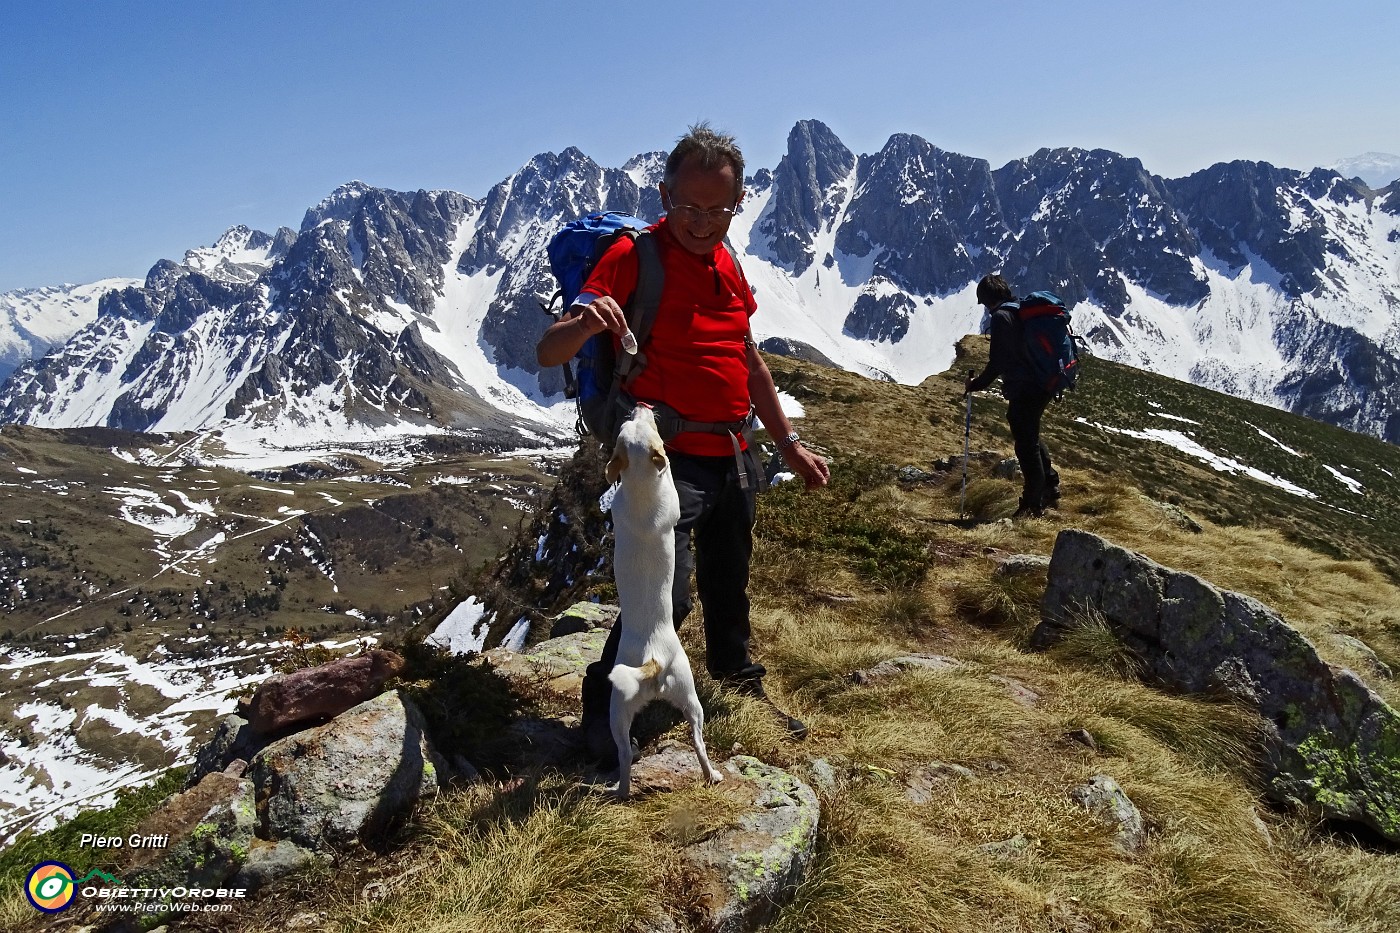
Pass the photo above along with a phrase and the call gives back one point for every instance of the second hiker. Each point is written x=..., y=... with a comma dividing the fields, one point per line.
x=1026, y=398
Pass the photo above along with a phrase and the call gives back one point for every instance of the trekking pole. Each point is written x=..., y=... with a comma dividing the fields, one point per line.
x=967, y=437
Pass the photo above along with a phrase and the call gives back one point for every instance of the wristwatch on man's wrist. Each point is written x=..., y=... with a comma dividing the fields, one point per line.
x=788, y=441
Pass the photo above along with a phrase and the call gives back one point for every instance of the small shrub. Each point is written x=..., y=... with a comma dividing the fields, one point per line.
x=301, y=652
x=467, y=705
x=845, y=519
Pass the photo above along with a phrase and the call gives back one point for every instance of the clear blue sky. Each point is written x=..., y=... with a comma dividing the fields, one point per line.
x=134, y=131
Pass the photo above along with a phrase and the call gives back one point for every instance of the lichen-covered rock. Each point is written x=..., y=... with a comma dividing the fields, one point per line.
x=348, y=781
x=750, y=871
x=1102, y=796
x=583, y=617
x=1022, y=565
x=269, y=861
x=1334, y=744
x=556, y=665
x=896, y=666
x=208, y=830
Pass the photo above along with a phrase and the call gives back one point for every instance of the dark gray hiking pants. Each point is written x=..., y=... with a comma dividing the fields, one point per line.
x=1023, y=413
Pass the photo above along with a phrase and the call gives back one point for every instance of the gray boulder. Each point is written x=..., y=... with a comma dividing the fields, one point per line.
x=583, y=617
x=1007, y=469
x=1022, y=565
x=896, y=666
x=269, y=861
x=234, y=738
x=349, y=781
x=1334, y=744
x=556, y=665
x=1102, y=796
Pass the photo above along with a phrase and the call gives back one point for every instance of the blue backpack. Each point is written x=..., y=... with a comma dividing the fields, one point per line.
x=1048, y=342
x=603, y=373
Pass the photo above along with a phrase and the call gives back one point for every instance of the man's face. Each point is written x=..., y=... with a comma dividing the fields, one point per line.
x=705, y=189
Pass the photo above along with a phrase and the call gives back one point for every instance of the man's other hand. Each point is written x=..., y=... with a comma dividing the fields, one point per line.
x=813, y=469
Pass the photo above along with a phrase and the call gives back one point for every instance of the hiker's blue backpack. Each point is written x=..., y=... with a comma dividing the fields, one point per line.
x=1048, y=342
x=602, y=373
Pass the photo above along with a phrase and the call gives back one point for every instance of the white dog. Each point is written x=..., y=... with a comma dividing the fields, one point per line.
x=651, y=662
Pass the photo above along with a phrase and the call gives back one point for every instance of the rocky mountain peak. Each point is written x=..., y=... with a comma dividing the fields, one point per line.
x=807, y=192
x=338, y=205
x=1267, y=282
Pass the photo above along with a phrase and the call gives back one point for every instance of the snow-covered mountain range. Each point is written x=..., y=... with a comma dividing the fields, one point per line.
x=392, y=313
x=32, y=320
x=1376, y=169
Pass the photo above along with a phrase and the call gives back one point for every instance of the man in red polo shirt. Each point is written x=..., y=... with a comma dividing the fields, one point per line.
x=703, y=363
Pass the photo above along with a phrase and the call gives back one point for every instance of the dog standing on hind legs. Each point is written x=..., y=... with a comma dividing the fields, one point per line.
x=651, y=662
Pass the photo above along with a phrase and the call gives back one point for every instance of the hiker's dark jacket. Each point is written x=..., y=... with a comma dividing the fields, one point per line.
x=1007, y=359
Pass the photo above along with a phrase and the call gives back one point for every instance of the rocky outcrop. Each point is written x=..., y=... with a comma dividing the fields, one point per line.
x=556, y=664
x=567, y=552
x=583, y=617
x=797, y=350
x=1334, y=744
x=749, y=871
x=342, y=785
x=234, y=740
x=207, y=832
x=745, y=871
x=344, y=314
x=893, y=667
x=806, y=193
x=322, y=692
x=349, y=781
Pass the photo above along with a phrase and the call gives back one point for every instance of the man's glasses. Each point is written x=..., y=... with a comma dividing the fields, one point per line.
x=689, y=214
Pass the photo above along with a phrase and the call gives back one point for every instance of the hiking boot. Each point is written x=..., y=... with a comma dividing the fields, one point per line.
x=1026, y=510
x=1051, y=499
x=753, y=687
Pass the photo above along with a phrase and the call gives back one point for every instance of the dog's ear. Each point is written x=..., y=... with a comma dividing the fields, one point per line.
x=658, y=459
x=616, y=465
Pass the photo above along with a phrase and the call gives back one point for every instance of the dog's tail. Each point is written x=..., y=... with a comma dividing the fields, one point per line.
x=629, y=680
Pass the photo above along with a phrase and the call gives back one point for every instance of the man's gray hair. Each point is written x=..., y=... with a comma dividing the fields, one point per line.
x=709, y=150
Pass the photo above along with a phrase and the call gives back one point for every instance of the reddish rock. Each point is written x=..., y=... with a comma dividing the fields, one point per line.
x=319, y=693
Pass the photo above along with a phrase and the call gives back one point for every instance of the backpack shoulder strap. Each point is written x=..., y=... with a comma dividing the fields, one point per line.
x=646, y=298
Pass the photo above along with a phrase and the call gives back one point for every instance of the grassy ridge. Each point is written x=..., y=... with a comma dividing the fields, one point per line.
x=875, y=567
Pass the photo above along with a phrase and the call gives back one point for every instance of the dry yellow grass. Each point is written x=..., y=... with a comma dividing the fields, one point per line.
x=548, y=857
x=1217, y=858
